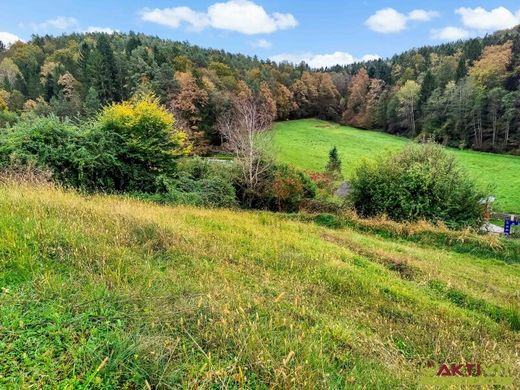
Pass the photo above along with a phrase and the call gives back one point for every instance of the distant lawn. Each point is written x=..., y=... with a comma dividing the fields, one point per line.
x=306, y=143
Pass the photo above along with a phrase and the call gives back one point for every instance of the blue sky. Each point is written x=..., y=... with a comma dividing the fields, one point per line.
x=322, y=32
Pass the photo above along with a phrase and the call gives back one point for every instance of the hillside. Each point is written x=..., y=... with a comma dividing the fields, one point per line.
x=306, y=143
x=462, y=93
x=104, y=291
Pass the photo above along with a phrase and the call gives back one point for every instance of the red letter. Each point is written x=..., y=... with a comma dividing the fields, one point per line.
x=444, y=371
x=455, y=369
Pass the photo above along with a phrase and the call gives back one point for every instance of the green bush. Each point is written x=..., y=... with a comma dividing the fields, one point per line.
x=42, y=142
x=420, y=182
x=84, y=158
x=145, y=143
x=8, y=118
x=202, y=183
x=128, y=148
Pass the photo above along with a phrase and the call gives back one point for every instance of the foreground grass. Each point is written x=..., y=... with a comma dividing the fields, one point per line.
x=306, y=144
x=104, y=292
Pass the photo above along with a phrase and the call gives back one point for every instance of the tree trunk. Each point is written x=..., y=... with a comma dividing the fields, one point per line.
x=493, y=139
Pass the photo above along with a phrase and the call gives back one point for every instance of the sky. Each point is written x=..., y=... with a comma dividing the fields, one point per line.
x=320, y=32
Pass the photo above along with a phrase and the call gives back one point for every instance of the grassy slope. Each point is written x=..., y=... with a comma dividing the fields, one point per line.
x=102, y=292
x=306, y=143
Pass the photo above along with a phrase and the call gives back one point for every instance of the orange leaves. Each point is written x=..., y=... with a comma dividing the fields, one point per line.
x=491, y=69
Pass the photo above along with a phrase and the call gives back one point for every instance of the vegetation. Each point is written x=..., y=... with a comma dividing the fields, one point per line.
x=101, y=287
x=132, y=147
x=196, y=182
x=462, y=94
x=334, y=164
x=129, y=147
x=420, y=182
x=110, y=292
x=316, y=137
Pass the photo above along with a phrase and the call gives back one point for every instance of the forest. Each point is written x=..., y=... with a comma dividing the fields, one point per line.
x=463, y=94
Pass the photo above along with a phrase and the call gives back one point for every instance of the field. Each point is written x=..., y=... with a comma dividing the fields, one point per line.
x=107, y=292
x=306, y=143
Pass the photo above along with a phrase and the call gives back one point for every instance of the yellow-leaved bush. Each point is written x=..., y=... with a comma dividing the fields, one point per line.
x=146, y=142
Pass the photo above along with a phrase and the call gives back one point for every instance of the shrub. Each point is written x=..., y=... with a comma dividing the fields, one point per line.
x=129, y=147
x=84, y=158
x=420, y=182
x=146, y=143
x=44, y=143
x=284, y=188
x=8, y=118
x=201, y=183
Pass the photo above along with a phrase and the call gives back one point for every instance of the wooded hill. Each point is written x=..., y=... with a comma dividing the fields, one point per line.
x=464, y=94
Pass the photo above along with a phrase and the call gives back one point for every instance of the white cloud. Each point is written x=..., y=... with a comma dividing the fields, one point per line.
x=421, y=15
x=449, y=33
x=94, y=29
x=248, y=18
x=388, y=20
x=174, y=17
x=58, y=23
x=242, y=16
x=495, y=19
x=323, y=60
x=370, y=57
x=8, y=38
x=263, y=43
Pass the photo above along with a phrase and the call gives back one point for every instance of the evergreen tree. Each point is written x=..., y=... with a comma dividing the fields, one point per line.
x=92, y=102
x=83, y=63
x=462, y=71
x=472, y=50
x=334, y=164
x=50, y=88
x=108, y=81
x=427, y=87
x=133, y=43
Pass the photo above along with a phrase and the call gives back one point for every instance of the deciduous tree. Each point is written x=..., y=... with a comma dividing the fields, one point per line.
x=189, y=99
x=491, y=69
x=408, y=96
x=244, y=130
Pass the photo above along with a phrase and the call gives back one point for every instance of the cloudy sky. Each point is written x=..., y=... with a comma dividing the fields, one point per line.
x=322, y=32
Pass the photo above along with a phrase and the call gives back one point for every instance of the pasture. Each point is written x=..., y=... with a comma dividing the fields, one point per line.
x=306, y=143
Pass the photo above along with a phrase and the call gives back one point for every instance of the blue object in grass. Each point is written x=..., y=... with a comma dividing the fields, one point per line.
x=508, y=223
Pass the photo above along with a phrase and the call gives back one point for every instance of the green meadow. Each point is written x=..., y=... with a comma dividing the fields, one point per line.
x=306, y=143
x=109, y=292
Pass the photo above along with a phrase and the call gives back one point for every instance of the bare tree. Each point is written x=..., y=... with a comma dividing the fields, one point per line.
x=244, y=129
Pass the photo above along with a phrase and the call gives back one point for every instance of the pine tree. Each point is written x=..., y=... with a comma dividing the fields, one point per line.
x=108, y=80
x=427, y=87
x=92, y=102
x=132, y=43
x=50, y=88
x=472, y=50
x=84, y=62
x=461, y=69
x=334, y=164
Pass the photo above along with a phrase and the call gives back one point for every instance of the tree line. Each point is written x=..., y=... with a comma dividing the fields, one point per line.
x=463, y=94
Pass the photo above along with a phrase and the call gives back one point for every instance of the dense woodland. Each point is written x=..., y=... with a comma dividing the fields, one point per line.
x=464, y=94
